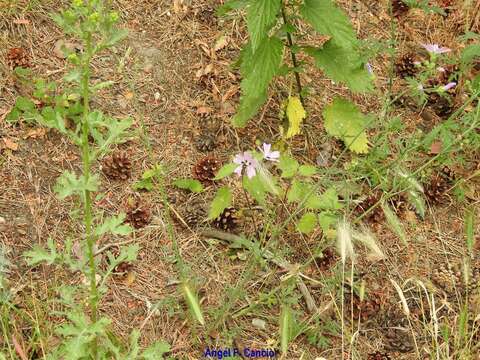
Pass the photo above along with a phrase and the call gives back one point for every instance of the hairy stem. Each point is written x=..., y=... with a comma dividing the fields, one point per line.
x=87, y=199
x=292, y=53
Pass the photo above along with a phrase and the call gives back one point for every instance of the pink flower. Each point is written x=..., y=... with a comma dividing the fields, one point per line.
x=449, y=86
x=436, y=49
x=247, y=162
x=268, y=154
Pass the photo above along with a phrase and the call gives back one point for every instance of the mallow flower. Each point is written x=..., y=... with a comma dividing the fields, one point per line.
x=245, y=161
x=268, y=154
x=436, y=49
x=449, y=86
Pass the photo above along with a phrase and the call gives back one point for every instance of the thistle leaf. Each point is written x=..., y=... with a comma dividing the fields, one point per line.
x=295, y=115
x=258, y=69
x=261, y=16
x=344, y=121
x=327, y=19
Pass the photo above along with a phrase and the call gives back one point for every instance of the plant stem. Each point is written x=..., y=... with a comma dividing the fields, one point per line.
x=87, y=200
x=294, y=58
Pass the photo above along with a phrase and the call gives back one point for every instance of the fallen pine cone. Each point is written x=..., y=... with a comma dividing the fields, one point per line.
x=117, y=166
x=17, y=57
x=206, y=169
x=138, y=215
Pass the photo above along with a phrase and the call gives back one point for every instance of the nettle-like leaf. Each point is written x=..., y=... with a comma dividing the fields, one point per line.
x=288, y=165
x=295, y=115
x=258, y=68
x=261, y=16
x=256, y=188
x=222, y=200
x=230, y=5
x=344, y=121
x=343, y=65
x=189, y=184
x=226, y=170
x=327, y=19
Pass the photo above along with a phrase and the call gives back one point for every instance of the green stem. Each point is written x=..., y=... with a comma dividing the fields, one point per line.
x=294, y=58
x=87, y=200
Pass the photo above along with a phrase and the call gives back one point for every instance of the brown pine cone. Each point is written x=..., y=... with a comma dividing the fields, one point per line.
x=205, y=142
x=326, y=259
x=194, y=214
x=362, y=309
x=441, y=105
x=227, y=220
x=376, y=215
x=436, y=189
x=377, y=355
x=206, y=169
x=117, y=166
x=17, y=57
x=399, y=8
x=398, y=336
x=405, y=66
x=449, y=278
x=138, y=214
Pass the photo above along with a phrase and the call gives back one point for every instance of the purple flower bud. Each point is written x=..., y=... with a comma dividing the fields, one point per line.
x=436, y=49
x=449, y=86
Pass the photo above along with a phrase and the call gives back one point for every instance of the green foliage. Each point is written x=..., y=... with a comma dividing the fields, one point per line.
x=288, y=165
x=189, y=184
x=261, y=16
x=344, y=121
x=114, y=225
x=307, y=223
x=38, y=254
x=222, y=200
x=148, y=178
x=226, y=170
x=258, y=68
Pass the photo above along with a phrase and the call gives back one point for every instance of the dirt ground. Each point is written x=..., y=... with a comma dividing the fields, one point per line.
x=173, y=77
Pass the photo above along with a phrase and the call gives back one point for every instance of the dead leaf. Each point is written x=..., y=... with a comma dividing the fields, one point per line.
x=9, y=144
x=204, y=110
x=436, y=147
x=204, y=71
x=221, y=43
x=21, y=22
x=36, y=133
x=130, y=279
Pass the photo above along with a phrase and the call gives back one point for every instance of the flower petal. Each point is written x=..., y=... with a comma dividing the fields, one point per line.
x=250, y=171
x=238, y=170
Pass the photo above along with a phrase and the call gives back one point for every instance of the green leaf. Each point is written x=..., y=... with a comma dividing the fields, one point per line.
x=295, y=115
x=255, y=188
x=24, y=104
x=222, y=200
x=116, y=36
x=73, y=76
x=327, y=220
x=307, y=170
x=344, y=121
x=344, y=65
x=297, y=191
x=114, y=225
x=226, y=170
x=258, y=69
x=192, y=302
x=39, y=254
x=230, y=5
x=470, y=53
x=261, y=16
x=268, y=181
x=307, y=223
x=146, y=183
x=326, y=18
x=156, y=351
x=395, y=223
x=189, y=184
x=285, y=326
x=288, y=165
x=329, y=200
x=68, y=184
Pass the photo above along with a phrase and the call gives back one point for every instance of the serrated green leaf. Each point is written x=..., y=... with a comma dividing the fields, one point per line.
x=114, y=225
x=116, y=36
x=38, y=254
x=343, y=65
x=297, y=191
x=24, y=104
x=307, y=223
x=222, y=200
x=189, y=184
x=68, y=184
x=470, y=53
x=344, y=121
x=226, y=170
x=268, y=181
x=288, y=166
x=327, y=220
x=327, y=19
x=307, y=170
x=329, y=200
x=255, y=188
x=73, y=76
x=295, y=115
x=231, y=5
x=258, y=69
x=261, y=16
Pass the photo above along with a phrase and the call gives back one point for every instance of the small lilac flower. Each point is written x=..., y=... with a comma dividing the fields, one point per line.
x=268, y=154
x=369, y=68
x=247, y=162
x=449, y=86
x=436, y=49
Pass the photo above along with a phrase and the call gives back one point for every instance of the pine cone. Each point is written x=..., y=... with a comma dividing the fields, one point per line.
x=117, y=166
x=362, y=309
x=205, y=142
x=206, y=169
x=448, y=174
x=398, y=336
x=449, y=278
x=441, y=105
x=376, y=215
x=17, y=57
x=436, y=189
x=399, y=8
x=194, y=215
x=377, y=355
x=227, y=220
x=326, y=259
x=138, y=215
x=405, y=66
